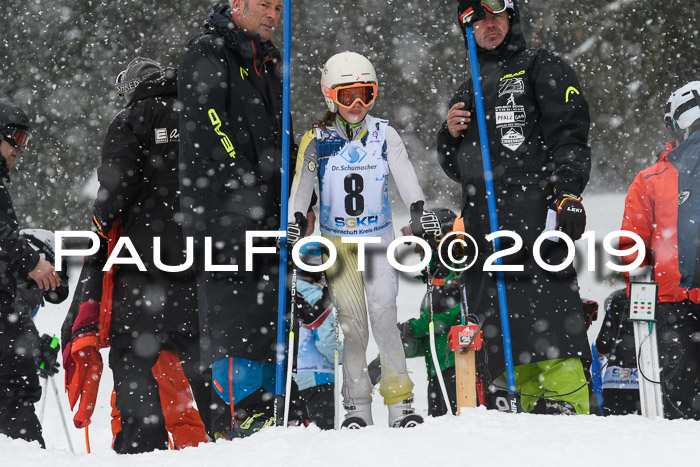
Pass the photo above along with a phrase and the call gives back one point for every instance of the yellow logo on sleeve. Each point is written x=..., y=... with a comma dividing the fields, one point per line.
x=228, y=145
x=571, y=90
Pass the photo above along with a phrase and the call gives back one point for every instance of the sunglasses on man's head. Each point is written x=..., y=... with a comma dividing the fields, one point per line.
x=492, y=6
x=495, y=6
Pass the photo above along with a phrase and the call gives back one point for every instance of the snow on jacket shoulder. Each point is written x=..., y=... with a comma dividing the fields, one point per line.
x=652, y=212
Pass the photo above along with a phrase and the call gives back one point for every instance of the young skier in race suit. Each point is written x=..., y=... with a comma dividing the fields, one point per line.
x=662, y=207
x=537, y=125
x=352, y=154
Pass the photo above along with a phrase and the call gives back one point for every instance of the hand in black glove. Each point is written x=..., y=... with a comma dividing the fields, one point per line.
x=571, y=217
x=374, y=371
x=590, y=311
x=425, y=224
x=469, y=12
x=296, y=229
x=411, y=343
x=47, y=360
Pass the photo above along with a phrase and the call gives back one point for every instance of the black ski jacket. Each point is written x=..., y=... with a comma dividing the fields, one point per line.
x=537, y=125
x=230, y=86
x=139, y=185
x=17, y=258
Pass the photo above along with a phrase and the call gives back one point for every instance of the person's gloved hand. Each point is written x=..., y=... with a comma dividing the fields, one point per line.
x=411, y=343
x=469, y=12
x=571, y=217
x=590, y=311
x=438, y=270
x=374, y=371
x=425, y=224
x=47, y=360
x=296, y=229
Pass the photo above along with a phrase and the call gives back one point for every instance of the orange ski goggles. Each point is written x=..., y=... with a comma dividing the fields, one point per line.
x=347, y=95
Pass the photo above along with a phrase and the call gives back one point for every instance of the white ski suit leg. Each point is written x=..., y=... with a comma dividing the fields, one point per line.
x=347, y=291
x=347, y=287
x=382, y=287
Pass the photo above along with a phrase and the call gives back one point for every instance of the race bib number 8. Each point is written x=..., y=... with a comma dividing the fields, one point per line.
x=354, y=202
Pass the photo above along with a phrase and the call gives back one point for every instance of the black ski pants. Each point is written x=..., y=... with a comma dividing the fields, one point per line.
x=320, y=403
x=436, y=402
x=19, y=382
x=621, y=402
x=678, y=329
x=137, y=398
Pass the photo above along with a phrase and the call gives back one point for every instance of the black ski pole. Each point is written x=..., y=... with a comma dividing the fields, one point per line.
x=290, y=348
x=63, y=416
x=468, y=18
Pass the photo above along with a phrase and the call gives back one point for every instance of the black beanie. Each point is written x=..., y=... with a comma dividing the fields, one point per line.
x=133, y=74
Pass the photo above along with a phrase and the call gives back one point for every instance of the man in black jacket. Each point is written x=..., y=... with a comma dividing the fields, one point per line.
x=19, y=383
x=537, y=128
x=230, y=85
x=152, y=310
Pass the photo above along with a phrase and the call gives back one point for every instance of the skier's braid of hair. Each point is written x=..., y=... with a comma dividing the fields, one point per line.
x=326, y=121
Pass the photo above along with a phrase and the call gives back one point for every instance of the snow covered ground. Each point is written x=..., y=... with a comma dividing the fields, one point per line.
x=478, y=436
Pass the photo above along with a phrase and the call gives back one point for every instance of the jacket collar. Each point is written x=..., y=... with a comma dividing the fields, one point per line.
x=4, y=170
x=678, y=157
x=342, y=128
x=248, y=45
x=159, y=84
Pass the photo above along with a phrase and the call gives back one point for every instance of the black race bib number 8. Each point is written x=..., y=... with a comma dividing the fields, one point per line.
x=354, y=202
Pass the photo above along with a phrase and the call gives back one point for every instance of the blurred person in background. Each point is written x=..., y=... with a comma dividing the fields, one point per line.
x=19, y=382
x=663, y=207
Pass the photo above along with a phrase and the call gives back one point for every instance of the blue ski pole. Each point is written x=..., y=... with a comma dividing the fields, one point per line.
x=284, y=192
x=493, y=219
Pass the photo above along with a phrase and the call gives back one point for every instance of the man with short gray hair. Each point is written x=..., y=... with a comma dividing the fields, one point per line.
x=230, y=85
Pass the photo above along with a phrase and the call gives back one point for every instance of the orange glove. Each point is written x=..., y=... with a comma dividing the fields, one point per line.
x=83, y=364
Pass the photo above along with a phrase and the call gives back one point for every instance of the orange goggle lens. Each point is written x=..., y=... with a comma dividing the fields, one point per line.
x=347, y=95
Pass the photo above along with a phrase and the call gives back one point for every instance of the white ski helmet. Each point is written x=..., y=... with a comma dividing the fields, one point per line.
x=683, y=107
x=346, y=68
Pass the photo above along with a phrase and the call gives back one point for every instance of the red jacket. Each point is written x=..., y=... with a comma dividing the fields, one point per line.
x=651, y=211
